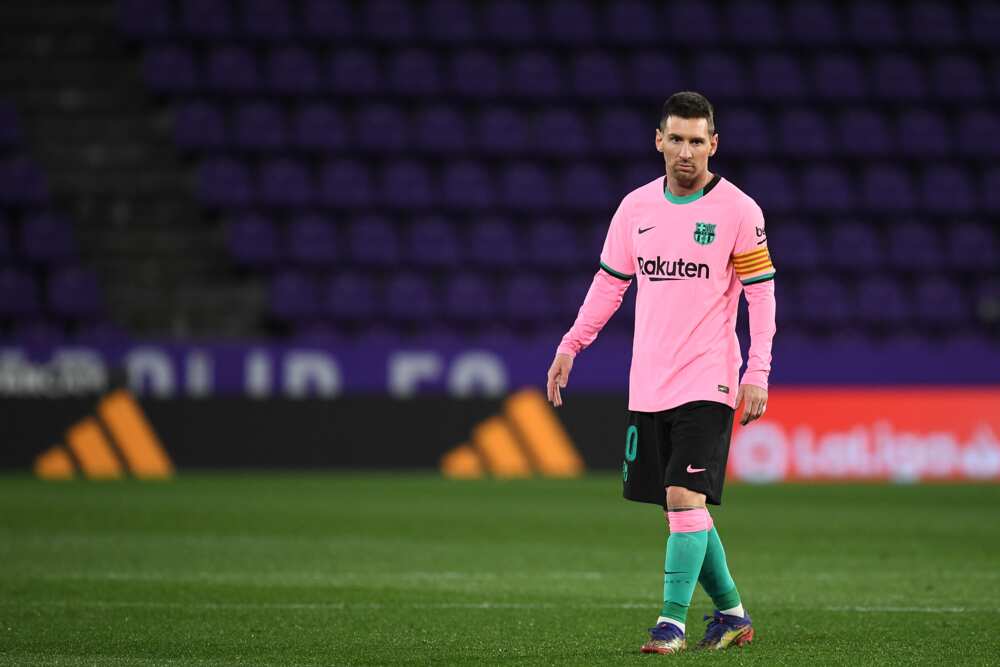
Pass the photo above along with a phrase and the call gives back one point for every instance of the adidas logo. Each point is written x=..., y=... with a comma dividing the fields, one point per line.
x=118, y=441
x=527, y=438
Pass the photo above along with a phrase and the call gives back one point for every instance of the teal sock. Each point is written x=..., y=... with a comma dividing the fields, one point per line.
x=715, y=577
x=683, y=562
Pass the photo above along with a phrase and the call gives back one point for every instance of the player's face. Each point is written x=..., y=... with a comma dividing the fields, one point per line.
x=686, y=146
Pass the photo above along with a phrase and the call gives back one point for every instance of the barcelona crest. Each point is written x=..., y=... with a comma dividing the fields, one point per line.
x=704, y=232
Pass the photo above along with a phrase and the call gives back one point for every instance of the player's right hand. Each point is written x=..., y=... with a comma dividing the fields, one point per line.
x=558, y=377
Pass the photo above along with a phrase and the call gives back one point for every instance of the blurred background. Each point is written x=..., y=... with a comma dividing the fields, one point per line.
x=333, y=233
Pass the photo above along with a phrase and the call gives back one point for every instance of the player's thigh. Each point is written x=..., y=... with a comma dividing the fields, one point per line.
x=645, y=460
x=699, y=439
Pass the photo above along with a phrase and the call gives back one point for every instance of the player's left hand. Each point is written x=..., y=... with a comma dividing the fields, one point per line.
x=754, y=401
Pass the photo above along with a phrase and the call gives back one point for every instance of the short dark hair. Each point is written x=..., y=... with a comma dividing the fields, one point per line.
x=688, y=104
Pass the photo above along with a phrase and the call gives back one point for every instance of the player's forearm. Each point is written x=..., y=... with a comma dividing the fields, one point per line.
x=602, y=300
x=761, y=306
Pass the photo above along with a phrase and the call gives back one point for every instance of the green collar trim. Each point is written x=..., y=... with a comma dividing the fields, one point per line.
x=694, y=196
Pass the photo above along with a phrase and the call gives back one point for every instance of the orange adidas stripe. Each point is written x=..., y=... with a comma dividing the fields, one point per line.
x=93, y=450
x=499, y=449
x=54, y=463
x=135, y=437
x=544, y=437
x=463, y=462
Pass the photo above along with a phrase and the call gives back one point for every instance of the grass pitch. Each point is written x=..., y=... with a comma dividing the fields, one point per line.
x=361, y=569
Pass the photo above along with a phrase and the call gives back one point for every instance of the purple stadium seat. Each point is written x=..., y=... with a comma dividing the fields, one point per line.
x=939, y=300
x=388, y=20
x=797, y=246
x=381, y=128
x=410, y=297
x=914, y=246
x=47, y=238
x=526, y=186
x=206, y=18
x=588, y=187
x=597, y=74
x=980, y=135
x=570, y=22
x=865, y=133
x=38, y=334
x=470, y=298
x=805, y=133
x=354, y=72
x=720, y=76
x=373, y=241
x=492, y=244
x=224, y=182
x=199, y=126
x=887, y=188
x=253, y=241
x=971, y=246
x=292, y=71
x=259, y=126
x=320, y=127
x=560, y=132
x=948, y=189
x=991, y=190
x=838, y=77
x=231, y=69
x=285, y=182
x=744, y=132
x=881, y=300
x=923, y=133
x=350, y=296
x=778, y=76
x=823, y=300
x=853, y=245
x=328, y=18
x=266, y=19
x=622, y=132
x=433, y=242
x=569, y=294
x=813, y=22
x=753, y=22
x=652, y=72
x=413, y=71
x=537, y=74
x=957, y=76
x=476, y=73
x=22, y=182
x=898, y=77
x=441, y=129
x=293, y=296
x=144, y=19
x=74, y=292
x=873, y=22
x=18, y=293
x=502, y=131
x=407, y=184
x=694, y=22
x=984, y=22
x=467, y=185
x=632, y=22
x=772, y=187
x=450, y=21
x=346, y=183
x=511, y=21
x=933, y=23
x=170, y=69
x=552, y=243
x=527, y=298
x=312, y=241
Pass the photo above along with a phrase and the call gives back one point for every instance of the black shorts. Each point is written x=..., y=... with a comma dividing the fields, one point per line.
x=685, y=446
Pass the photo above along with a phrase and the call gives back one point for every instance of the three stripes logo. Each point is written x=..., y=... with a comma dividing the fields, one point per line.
x=119, y=440
x=526, y=438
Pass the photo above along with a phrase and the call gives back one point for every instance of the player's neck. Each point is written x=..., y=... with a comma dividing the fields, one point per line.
x=679, y=190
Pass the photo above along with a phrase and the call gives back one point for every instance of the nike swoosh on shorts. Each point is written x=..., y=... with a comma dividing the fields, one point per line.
x=690, y=469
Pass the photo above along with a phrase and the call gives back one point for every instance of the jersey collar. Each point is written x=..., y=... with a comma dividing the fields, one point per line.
x=694, y=196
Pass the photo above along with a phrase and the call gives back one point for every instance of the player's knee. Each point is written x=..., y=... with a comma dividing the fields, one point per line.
x=678, y=496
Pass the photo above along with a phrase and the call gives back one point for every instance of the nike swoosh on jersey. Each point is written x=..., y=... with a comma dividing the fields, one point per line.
x=643, y=231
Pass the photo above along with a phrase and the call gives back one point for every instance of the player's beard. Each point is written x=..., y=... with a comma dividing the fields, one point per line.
x=685, y=178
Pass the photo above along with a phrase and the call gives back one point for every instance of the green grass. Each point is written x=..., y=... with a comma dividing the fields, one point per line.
x=361, y=569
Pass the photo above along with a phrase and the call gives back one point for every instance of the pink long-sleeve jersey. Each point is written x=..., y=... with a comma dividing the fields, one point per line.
x=690, y=256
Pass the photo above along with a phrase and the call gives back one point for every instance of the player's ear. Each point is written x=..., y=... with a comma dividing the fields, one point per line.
x=658, y=142
x=714, y=143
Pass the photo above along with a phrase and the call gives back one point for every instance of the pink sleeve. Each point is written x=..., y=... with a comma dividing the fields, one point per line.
x=602, y=300
x=760, y=300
